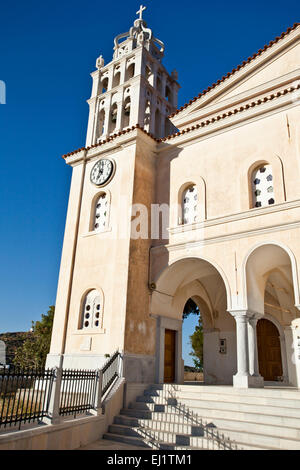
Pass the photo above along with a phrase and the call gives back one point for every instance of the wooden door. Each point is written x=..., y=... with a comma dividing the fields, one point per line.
x=269, y=351
x=169, y=375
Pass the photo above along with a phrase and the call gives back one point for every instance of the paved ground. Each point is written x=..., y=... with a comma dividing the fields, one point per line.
x=105, y=444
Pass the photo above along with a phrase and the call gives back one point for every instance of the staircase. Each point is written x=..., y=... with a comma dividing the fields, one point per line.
x=207, y=417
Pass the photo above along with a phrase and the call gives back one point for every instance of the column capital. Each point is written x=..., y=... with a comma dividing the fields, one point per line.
x=239, y=314
x=245, y=313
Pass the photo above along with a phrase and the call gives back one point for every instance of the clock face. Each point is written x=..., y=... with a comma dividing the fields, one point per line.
x=102, y=172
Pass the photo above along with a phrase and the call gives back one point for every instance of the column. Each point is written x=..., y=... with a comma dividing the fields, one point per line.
x=253, y=353
x=119, y=115
x=243, y=377
x=107, y=118
x=242, y=345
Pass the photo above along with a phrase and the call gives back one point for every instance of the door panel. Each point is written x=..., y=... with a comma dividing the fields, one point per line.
x=169, y=369
x=269, y=350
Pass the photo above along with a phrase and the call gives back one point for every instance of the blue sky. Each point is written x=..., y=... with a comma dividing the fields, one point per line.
x=48, y=50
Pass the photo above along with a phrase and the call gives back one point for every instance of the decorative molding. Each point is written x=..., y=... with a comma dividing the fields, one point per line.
x=232, y=117
x=236, y=217
x=224, y=238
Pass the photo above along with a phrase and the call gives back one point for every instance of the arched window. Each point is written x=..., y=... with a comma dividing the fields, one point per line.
x=92, y=310
x=157, y=124
x=262, y=186
x=148, y=74
x=101, y=122
x=101, y=213
x=158, y=84
x=126, y=117
x=147, y=117
x=113, y=117
x=189, y=204
x=130, y=71
x=168, y=94
x=104, y=84
x=117, y=77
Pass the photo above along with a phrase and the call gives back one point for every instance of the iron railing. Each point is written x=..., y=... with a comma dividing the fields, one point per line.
x=24, y=395
x=34, y=394
x=110, y=371
x=78, y=391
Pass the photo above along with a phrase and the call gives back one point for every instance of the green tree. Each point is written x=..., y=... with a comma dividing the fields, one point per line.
x=196, y=341
x=34, y=350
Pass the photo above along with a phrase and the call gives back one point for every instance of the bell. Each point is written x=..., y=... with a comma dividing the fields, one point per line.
x=114, y=115
x=127, y=109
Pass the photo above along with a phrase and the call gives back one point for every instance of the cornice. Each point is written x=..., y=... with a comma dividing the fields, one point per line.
x=235, y=115
x=235, y=235
x=111, y=144
x=236, y=217
x=239, y=73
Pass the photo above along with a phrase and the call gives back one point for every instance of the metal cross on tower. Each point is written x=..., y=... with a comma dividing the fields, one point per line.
x=140, y=12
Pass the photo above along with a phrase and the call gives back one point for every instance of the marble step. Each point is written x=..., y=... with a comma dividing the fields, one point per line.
x=158, y=445
x=278, y=392
x=182, y=439
x=223, y=420
x=213, y=396
x=160, y=425
x=147, y=414
x=258, y=414
x=242, y=433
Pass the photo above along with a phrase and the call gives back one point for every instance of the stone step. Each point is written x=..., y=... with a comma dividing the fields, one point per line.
x=259, y=414
x=168, y=437
x=281, y=415
x=231, y=397
x=233, y=420
x=194, y=428
x=245, y=399
x=222, y=419
x=246, y=438
x=147, y=414
x=272, y=392
x=156, y=445
x=264, y=405
x=242, y=434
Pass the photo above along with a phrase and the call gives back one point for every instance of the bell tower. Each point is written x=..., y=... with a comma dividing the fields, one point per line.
x=102, y=302
x=134, y=88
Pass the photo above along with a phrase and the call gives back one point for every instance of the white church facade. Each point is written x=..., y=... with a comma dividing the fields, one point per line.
x=201, y=203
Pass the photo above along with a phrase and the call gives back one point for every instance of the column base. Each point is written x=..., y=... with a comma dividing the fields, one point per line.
x=248, y=381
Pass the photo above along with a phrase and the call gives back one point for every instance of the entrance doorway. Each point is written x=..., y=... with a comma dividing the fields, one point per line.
x=169, y=367
x=269, y=350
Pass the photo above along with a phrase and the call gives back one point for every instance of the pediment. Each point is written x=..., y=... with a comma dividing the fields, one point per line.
x=277, y=60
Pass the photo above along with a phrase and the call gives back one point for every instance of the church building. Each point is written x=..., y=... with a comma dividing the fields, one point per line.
x=200, y=203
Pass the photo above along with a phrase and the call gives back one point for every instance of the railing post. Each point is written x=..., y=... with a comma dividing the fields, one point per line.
x=98, y=395
x=120, y=365
x=53, y=410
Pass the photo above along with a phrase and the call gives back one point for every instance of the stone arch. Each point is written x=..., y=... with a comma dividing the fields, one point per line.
x=259, y=262
x=196, y=291
x=174, y=277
